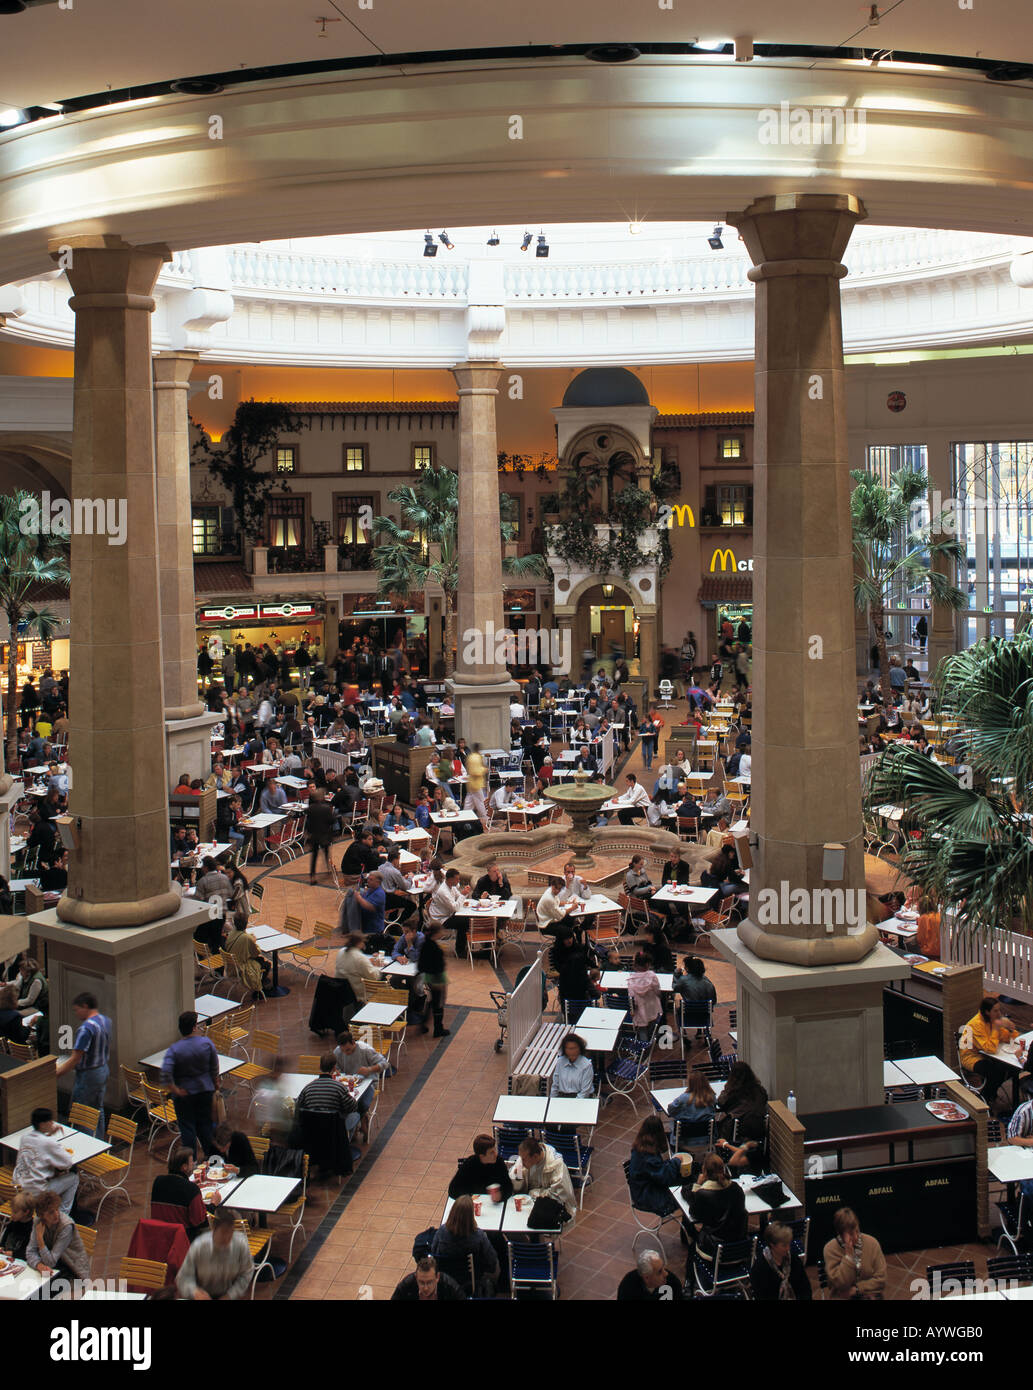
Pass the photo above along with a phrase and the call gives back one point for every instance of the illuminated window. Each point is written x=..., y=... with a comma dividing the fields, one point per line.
x=207, y=532
x=730, y=446
x=285, y=517
x=286, y=458
x=355, y=458
x=354, y=520
x=731, y=504
x=422, y=455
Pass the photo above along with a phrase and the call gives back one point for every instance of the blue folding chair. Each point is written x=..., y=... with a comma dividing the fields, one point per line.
x=576, y=1156
x=532, y=1268
x=629, y=1071
x=729, y=1268
x=508, y=1139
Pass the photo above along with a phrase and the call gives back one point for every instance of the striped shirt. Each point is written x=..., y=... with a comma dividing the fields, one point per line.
x=1021, y=1123
x=93, y=1041
x=327, y=1096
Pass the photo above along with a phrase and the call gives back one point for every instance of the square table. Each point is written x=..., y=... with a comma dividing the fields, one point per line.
x=287, y=781
x=260, y=1193
x=274, y=942
x=379, y=1014
x=406, y=837
x=618, y=979
x=593, y=904
x=294, y=1082
x=226, y=1064
x=514, y=1223
x=893, y=926
x=1010, y=1163
x=1012, y=1058
x=757, y=1205
x=262, y=821
x=82, y=1146
x=473, y=908
x=690, y=894
x=537, y=808
x=926, y=1071
x=213, y=1006
x=491, y=1215
x=600, y=1018
x=453, y=817
x=666, y=1095
x=406, y=971
x=110, y=1296
x=21, y=1284
x=599, y=1039
x=520, y=1110
x=572, y=1110
x=893, y=1076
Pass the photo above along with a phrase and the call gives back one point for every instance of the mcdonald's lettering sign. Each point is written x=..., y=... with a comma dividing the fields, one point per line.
x=726, y=559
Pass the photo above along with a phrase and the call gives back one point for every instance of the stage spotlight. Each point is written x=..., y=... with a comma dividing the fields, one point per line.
x=541, y=251
x=494, y=239
x=446, y=241
x=526, y=241
x=714, y=242
x=429, y=245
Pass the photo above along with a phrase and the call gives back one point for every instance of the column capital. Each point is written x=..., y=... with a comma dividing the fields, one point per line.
x=477, y=378
x=105, y=272
x=172, y=369
x=801, y=227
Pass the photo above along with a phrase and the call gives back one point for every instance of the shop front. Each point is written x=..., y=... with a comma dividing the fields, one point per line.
x=387, y=623
x=280, y=623
x=726, y=594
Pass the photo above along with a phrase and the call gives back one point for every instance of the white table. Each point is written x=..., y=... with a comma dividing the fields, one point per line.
x=893, y=1076
x=520, y=1110
x=572, y=1110
x=755, y=1206
x=491, y=1215
x=666, y=1095
x=595, y=903
x=893, y=926
x=273, y=941
x=514, y=1223
x=298, y=783
x=599, y=1039
x=1012, y=1058
x=407, y=971
x=453, y=817
x=379, y=1014
x=926, y=1071
x=262, y=821
x=692, y=895
x=260, y=1193
x=599, y=1018
x=540, y=808
x=226, y=1064
x=1010, y=1163
x=618, y=979
x=213, y=1006
x=406, y=837
x=22, y=1284
x=82, y=1146
x=474, y=908
x=294, y=1082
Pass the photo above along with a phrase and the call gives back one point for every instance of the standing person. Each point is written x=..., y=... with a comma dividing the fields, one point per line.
x=319, y=830
x=854, y=1264
x=432, y=967
x=649, y=732
x=218, y=1264
x=91, y=1053
x=191, y=1073
x=742, y=668
x=476, y=779
x=922, y=632
x=644, y=996
x=303, y=661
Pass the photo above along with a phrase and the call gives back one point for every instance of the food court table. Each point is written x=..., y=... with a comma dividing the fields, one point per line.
x=405, y=969
x=379, y=1015
x=294, y=1082
x=667, y=1095
x=572, y=1110
x=491, y=1213
x=209, y=1006
x=538, y=808
x=925, y=1071
x=473, y=907
x=1010, y=1163
x=689, y=894
x=274, y=942
x=599, y=1039
x=226, y=1064
x=520, y=1110
x=618, y=979
x=260, y=1193
x=21, y=1283
x=453, y=817
x=79, y=1146
x=599, y=1018
x=755, y=1206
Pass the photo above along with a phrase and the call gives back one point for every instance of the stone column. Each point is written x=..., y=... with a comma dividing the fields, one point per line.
x=648, y=654
x=187, y=722
x=118, y=875
x=805, y=973
x=481, y=689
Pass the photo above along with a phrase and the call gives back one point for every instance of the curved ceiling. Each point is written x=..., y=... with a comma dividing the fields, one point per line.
x=60, y=51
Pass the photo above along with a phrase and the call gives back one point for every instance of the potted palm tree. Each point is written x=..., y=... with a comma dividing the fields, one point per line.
x=28, y=560
x=889, y=547
x=422, y=547
x=967, y=842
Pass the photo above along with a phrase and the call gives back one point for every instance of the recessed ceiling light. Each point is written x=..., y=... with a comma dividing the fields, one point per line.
x=613, y=53
x=196, y=87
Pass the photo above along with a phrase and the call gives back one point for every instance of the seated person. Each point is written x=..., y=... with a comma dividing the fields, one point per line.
x=549, y=910
x=541, y=1172
x=690, y=809
x=653, y=1170
x=778, y=1274
x=984, y=1034
x=481, y=1170
x=460, y=1237
x=11, y=1026
x=174, y=1189
x=55, y=1244
x=717, y=1206
x=14, y=1243
x=234, y=1147
x=356, y=1058
x=854, y=1264
x=43, y=1163
x=697, y=1102
x=636, y=880
x=724, y=874
x=573, y=1074
x=745, y=1100
x=649, y=1280
x=218, y=1264
x=657, y=947
x=633, y=800
x=323, y=1095
x=493, y=883
x=573, y=886
x=692, y=984
x=398, y=819
x=253, y=966
x=360, y=856
x=426, y=1284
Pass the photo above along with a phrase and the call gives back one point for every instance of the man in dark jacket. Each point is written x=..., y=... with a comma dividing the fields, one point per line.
x=319, y=830
x=778, y=1273
x=427, y=1284
x=650, y=1280
x=478, y=1172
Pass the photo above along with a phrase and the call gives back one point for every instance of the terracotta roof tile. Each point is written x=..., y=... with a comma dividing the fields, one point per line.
x=726, y=588
x=221, y=579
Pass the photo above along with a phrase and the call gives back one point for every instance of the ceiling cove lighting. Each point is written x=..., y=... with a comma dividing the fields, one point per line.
x=11, y=116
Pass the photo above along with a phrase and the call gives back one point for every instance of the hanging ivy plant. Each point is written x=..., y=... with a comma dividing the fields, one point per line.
x=632, y=512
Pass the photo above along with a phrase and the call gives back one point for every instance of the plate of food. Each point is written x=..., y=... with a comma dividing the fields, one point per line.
x=8, y=1266
x=916, y=959
x=946, y=1110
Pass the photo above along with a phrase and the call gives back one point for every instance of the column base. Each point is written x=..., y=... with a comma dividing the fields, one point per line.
x=482, y=711
x=808, y=951
x=188, y=744
x=117, y=915
x=814, y=1030
x=142, y=977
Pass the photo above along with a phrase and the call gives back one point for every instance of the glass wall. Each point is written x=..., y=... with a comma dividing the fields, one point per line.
x=993, y=482
x=905, y=602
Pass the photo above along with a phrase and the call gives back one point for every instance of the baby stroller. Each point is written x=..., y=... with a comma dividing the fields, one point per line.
x=501, y=1002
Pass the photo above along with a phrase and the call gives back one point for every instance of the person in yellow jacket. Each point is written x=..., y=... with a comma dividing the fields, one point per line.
x=982, y=1035
x=476, y=781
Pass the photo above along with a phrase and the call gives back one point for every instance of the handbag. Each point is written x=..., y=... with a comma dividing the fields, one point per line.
x=770, y=1190
x=219, y=1108
x=546, y=1215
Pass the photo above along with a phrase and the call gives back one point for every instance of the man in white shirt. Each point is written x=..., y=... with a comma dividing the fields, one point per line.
x=444, y=903
x=634, y=799
x=516, y=709
x=550, y=909
x=501, y=797
x=745, y=763
x=44, y=1163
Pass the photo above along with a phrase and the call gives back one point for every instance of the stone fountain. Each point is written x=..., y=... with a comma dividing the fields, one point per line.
x=582, y=802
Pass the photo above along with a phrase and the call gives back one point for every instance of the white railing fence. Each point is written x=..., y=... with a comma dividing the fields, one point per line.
x=1006, y=957
x=524, y=1011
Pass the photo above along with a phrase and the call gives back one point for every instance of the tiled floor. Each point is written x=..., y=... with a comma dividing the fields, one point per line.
x=360, y=1234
